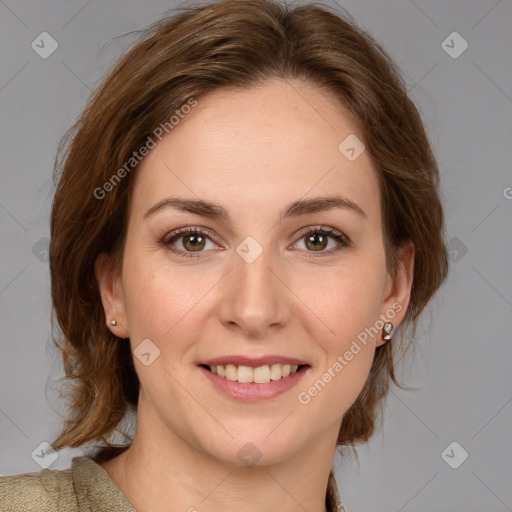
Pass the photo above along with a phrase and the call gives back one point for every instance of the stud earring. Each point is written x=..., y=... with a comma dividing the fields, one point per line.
x=113, y=322
x=387, y=331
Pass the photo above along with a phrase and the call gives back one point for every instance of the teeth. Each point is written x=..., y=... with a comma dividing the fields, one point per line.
x=231, y=372
x=260, y=375
x=246, y=374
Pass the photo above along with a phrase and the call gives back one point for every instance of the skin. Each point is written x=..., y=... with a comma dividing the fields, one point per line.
x=253, y=152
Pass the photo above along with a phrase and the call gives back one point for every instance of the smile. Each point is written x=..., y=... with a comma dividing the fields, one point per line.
x=259, y=375
x=253, y=384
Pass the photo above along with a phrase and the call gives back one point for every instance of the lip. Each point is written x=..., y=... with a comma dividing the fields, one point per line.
x=251, y=392
x=253, y=362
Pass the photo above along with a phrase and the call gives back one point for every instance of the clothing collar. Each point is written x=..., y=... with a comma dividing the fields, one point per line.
x=89, y=476
x=94, y=491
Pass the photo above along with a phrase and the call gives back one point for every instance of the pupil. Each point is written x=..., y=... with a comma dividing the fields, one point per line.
x=316, y=237
x=197, y=239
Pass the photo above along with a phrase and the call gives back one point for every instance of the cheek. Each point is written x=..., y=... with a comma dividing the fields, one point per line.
x=344, y=300
x=345, y=341
x=161, y=298
x=347, y=305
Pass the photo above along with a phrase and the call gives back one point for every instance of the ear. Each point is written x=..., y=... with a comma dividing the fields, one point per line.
x=397, y=292
x=109, y=284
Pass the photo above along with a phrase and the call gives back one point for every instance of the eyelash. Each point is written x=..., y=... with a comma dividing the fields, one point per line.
x=171, y=237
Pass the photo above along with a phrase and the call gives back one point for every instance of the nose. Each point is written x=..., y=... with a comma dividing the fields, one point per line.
x=255, y=299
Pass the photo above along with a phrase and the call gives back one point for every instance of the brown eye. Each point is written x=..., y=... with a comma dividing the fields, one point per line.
x=316, y=241
x=194, y=242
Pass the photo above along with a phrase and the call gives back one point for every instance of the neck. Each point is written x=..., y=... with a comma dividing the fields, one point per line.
x=162, y=471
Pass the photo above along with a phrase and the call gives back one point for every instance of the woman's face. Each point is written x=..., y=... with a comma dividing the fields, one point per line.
x=260, y=284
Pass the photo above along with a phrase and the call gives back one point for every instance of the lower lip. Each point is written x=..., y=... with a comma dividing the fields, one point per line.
x=249, y=391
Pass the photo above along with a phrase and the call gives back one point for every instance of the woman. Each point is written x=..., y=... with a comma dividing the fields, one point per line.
x=246, y=213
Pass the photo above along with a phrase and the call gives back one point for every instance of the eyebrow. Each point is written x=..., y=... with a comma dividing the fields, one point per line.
x=294, y=209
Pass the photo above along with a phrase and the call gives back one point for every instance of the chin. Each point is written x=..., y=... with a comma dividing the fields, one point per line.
x=259, y=449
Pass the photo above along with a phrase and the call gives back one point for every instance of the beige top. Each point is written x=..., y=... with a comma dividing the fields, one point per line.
x=84, y=487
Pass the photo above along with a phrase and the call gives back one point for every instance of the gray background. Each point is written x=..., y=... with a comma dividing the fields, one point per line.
x=462, y=367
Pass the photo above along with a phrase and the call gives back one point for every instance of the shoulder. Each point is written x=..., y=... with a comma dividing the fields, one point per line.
x=45, y=491
x=83, y=486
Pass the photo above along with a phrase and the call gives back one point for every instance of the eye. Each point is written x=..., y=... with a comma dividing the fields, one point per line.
x=317, y=239
x=194, y=240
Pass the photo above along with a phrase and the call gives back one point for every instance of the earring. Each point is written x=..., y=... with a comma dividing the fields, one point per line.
x=387, y=331
x=113, y=322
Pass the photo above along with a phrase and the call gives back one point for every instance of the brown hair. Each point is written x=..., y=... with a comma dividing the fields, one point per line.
x=226, y=43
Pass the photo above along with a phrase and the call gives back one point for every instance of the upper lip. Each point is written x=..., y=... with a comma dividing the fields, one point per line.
x=253, y=362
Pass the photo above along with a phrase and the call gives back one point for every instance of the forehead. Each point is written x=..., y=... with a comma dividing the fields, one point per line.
x=261, y=148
